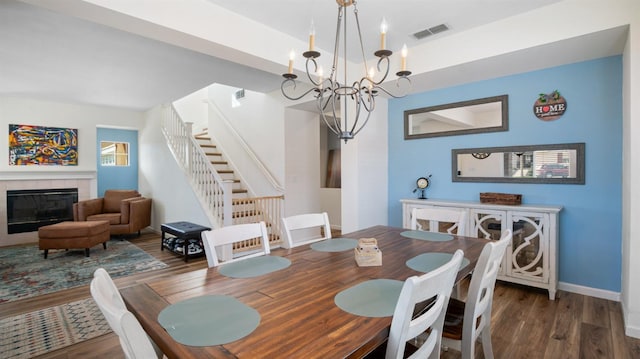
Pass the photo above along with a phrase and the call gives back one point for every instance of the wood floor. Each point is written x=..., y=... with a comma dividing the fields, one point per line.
x=526, y=324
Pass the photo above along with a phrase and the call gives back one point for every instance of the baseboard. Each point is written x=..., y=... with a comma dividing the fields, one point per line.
x=631, y=322
x=592, y=292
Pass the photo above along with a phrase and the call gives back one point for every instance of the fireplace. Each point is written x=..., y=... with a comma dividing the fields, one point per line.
x=30, y=209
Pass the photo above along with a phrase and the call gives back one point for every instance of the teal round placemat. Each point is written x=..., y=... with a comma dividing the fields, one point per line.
x=335, y=245
x=427, y=236
x=253, y=267
x=372, y=298
x=426, y=262
x=209, y=320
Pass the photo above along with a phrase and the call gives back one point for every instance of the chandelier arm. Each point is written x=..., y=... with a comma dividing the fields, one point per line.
x=293, y=98
x=336, y=119
x=336, y=46
x=364, y=59
x=386, y=72
x=326, y=121
x=398, y=80
x=315, y=69
x=370, y=98
x=363, y=124
x=358, y=102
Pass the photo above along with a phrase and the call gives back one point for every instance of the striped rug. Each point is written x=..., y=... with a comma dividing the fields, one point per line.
x=36, y=333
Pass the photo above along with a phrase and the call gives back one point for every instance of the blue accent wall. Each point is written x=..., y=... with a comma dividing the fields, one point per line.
x=118, y=177
x=590, y=223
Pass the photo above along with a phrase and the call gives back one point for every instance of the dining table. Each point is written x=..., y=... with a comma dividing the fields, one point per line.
x=297, y=305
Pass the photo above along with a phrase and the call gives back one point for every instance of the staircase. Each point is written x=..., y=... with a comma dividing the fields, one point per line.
x=221, y=166
x=222, y=195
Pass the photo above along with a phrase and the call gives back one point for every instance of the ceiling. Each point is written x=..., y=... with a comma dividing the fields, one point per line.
x=53, y=56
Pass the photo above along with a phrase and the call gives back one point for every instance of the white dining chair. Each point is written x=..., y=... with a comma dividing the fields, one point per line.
x=134, y=341
x=406, y=325
x=465, y=322
x=218, y=242
x=456, y=218
x=305, y=229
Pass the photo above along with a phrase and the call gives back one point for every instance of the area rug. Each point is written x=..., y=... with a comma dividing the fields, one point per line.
x=25, y=273
x=35, y=333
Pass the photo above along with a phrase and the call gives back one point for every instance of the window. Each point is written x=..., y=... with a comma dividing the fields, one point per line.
x=114, y=153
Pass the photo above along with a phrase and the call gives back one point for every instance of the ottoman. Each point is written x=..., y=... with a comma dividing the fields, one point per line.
x=73, y=235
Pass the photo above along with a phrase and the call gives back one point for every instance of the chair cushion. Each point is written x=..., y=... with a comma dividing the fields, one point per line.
x=112, y=218
x=73, y=229
x=113, y=197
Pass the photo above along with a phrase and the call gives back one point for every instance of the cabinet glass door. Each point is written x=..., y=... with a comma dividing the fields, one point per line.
x=488, y=224
x=528, y=253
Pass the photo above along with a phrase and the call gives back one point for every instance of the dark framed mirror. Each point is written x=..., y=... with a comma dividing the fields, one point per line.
x=490, y=114
x=557, y=163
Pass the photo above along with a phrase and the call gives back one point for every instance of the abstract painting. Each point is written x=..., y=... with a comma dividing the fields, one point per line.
x=39, y=145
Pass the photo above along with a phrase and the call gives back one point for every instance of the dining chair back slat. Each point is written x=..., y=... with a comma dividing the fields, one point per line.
x=436, y=216
x=435, y=287
x=305, y=229
x=466, y=321
x=134, y=341
x=215, y=241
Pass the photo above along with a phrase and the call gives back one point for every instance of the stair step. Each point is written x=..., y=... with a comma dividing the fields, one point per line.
x=219, y=162
x=204, y=138
x=240, y=190
x=225, y=171
x=213, y=154
x=207, y=146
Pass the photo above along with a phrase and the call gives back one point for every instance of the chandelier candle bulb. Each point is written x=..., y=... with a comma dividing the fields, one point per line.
x=404, y=58
x=312, y=36
x=292, y=56
x=383, y=33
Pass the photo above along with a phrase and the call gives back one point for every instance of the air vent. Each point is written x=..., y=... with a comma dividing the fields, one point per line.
x=239, y=94
x=430, y=31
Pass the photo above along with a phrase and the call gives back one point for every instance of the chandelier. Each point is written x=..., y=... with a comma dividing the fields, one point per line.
x=357, y=98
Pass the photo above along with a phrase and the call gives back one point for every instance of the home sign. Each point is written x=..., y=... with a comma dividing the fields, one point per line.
x=549, y=107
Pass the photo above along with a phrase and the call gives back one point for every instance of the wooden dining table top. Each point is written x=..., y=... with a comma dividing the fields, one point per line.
x=299, y=318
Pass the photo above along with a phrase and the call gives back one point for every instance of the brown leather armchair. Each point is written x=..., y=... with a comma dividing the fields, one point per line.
x=125, y=210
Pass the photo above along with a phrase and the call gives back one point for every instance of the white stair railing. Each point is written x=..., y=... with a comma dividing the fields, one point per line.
x=214, y=192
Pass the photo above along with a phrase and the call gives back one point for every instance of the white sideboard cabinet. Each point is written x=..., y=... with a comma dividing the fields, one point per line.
x=532, y=256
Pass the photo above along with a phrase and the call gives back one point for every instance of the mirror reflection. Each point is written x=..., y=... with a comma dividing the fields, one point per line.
x=481, y=115
x=562, y=163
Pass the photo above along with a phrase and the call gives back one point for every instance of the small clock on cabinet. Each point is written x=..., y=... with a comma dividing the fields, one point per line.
x=422, y=183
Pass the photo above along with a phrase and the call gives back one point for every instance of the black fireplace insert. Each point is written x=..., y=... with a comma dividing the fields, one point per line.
x=30, y=209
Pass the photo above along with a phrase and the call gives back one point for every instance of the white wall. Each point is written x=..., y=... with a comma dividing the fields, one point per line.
x=162, y=180
x=85, y=118
x=259, y=121
x=365, y=174
x=301, y=162
x=331, y=202
x=194, y=108
x=631, y=176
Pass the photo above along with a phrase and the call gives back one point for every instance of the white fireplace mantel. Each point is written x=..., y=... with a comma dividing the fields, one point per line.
x=46, y=175
x=84, y=181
